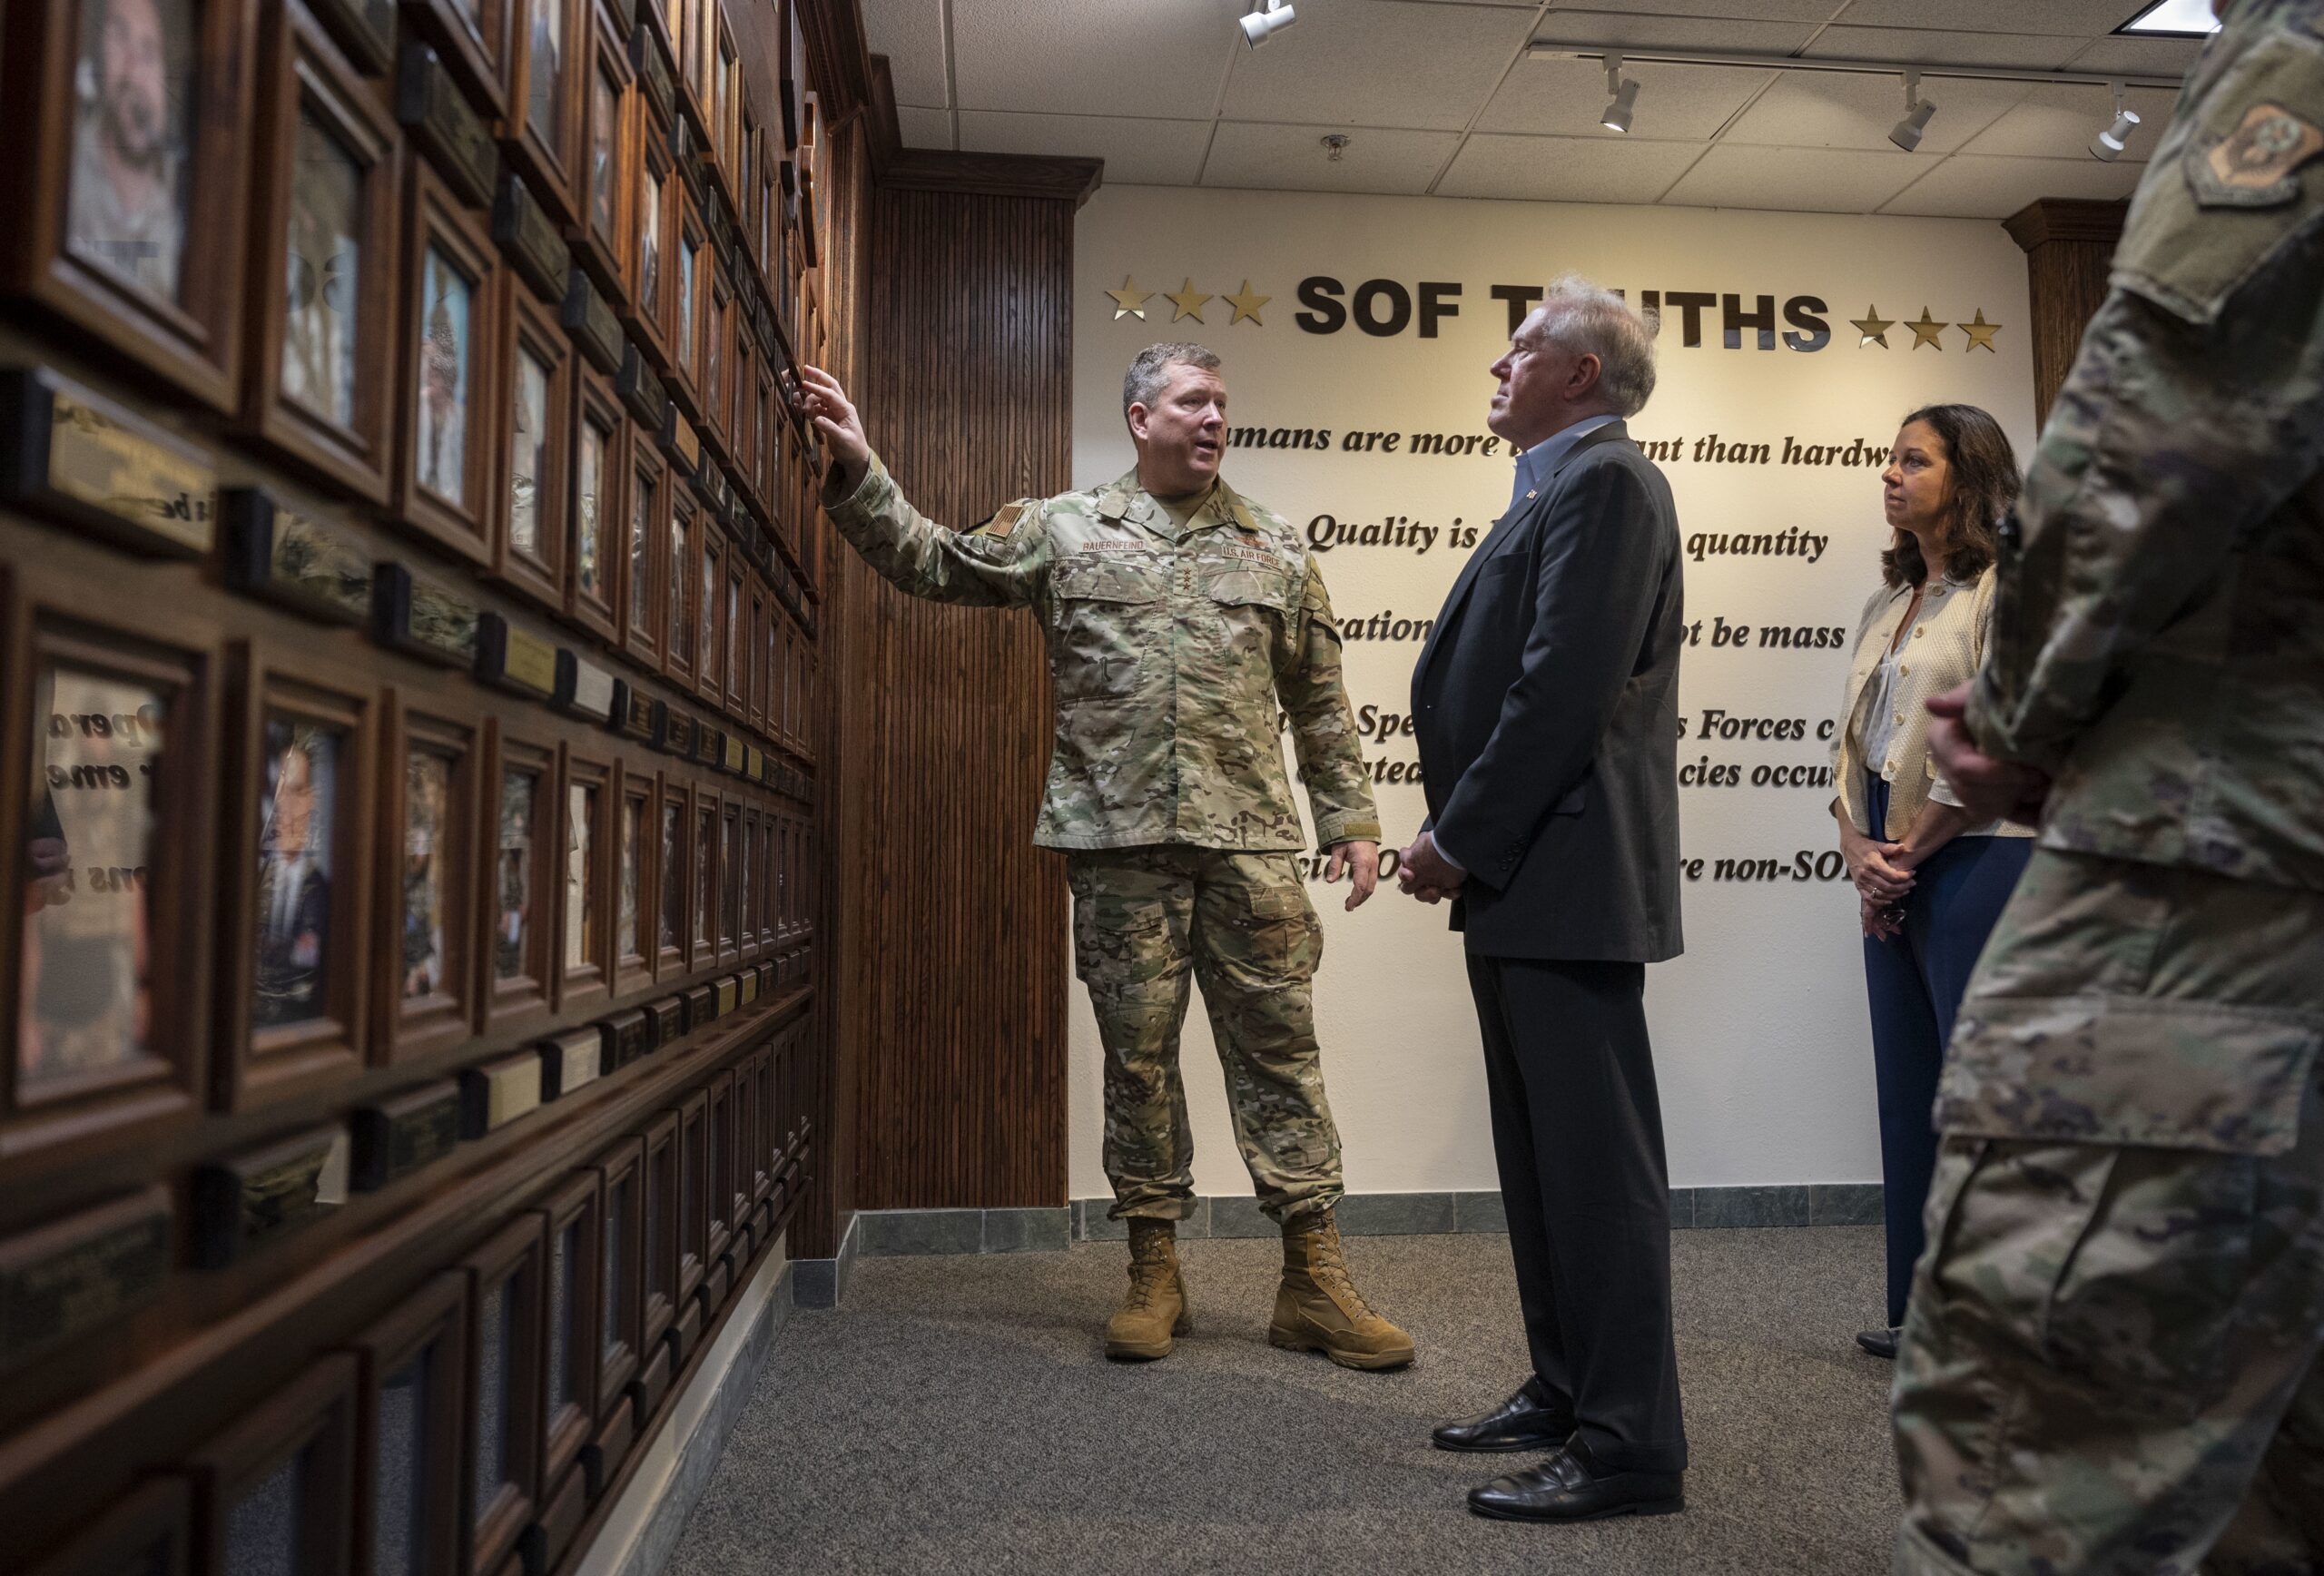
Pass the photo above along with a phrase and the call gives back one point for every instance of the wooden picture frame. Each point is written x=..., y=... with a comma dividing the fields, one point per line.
x=658, y=1257
x=517, y=894
x=702, y=879
x=572, y=1352
x=637, y=841
x=719, y=1167
x=730, y=880
x=286, y=1472
x=718, y=360
x=646, y=535
x=673, y=889
x=309, y=396
x=139, y=251
x=690, y=338
x=450, y=379
x=736, y=619
x=432, y=768
x=584, y=956
x=603, y=189
x=682, y=579
x=709, y=660
x=502, y=1420
x=621, y=1309
x=149, y=1531
x=295, y=943
x=541, y=130
x=649, y=249
x=530, y=525
x=472, y=37
x=755, y=702
x=410, y=1429
x=693, y=1195
x=593, y=555
x=759, y=1073
x=112, y=1030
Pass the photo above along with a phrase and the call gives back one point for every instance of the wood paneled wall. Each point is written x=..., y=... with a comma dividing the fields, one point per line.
x=950, y=1007
x=2068, y=247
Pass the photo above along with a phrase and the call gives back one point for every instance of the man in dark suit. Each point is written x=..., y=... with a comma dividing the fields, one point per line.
x=1546, y=706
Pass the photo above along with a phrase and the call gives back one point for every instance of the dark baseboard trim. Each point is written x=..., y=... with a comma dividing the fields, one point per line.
x=904, y=1233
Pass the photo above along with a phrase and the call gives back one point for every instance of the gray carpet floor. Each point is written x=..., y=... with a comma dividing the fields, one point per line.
x=956, y=1414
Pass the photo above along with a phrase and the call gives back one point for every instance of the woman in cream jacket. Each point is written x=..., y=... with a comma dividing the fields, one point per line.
x=1929, y=884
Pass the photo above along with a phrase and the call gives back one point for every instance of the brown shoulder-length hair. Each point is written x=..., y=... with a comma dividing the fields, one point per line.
x=1984, y=485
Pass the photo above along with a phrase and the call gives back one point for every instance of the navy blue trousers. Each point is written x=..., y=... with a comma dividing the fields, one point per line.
x=1915, y=981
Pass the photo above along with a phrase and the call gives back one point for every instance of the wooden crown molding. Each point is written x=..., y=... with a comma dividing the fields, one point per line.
x=2065, y=219
x=901, y=169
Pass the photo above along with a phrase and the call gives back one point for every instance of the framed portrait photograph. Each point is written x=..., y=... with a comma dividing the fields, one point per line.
x=635, y=839
x=322, y=300
x=621, y=1285
x=572, y=1307
x=736, y=619
x=593, y=554
x=409, y=1423
x=521, y=872
x=710, y=662
x=586, y=837
x=277, y=1490
x=683, y=577
x=453, y=297
x=694, y=1196
x=504, y=1382
x=426, y=987
x=658, y=1242
x=691, y=311
x=755, y=659
x=743, y=432
x=649, y=306
x=718, y=1170
x=299, y=822
x=717, y=359
x=702, y=877
x=126, y=180
x=645, y=528
x=106, y=958
x=671, y=885
x=600, y=230
x=473, y=38
x=530, y=525
x=551, y=54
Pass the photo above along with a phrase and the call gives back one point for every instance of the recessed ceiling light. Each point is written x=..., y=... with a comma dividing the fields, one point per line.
x=2174, y=19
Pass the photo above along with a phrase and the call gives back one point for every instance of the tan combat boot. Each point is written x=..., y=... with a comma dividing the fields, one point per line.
x=1153, y=1309
x=1319, y=1308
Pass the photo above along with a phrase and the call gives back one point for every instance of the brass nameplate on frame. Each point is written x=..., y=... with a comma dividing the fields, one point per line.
x=679, y=440
x=71, y=1275
x=458, y=141
x=498, y=1092
x=730, y=994
x=247, y=1201
x=669, y=1015
x=624, y=1037
x=701, y=1006
x=82, y=461
x=421, y=619
x=678, y=731
x=571, y=1059
x=635, y=714
x=396, y=1138
x=291, y=561
x=749, y=982
x=732, y=760
x=508, y=658
x=641, y=391
x=653, y=72
x=709, y=745
x=591, y=321
x=753, y=763
x=583, y=688
x=525, y=233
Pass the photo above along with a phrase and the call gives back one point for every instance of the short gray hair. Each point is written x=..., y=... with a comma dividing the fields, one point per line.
x=1151, y=369
x=1587, y=319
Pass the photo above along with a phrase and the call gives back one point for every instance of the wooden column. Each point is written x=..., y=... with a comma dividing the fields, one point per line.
x=2068, y=245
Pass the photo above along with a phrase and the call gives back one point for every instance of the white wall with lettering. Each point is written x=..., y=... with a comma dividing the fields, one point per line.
x=1761, y=1030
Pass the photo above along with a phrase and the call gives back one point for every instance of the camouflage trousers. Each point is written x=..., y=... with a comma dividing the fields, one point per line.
x=2110, y=1362
x=1147, y=921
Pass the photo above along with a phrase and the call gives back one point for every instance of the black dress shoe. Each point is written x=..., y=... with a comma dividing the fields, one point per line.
x=1571, y=1486
x=1526, y=1421
x=1880, y=1343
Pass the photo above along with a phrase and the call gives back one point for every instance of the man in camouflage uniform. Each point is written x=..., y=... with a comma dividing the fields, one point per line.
x=2110, y=1361
x=1181, y=620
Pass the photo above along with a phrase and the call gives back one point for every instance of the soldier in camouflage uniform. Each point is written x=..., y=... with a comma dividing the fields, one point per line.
x=1182, y=620
x=2110, y=1362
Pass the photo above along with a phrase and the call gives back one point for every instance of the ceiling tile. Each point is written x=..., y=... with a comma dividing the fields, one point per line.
x=2083, y=18
x=1927, y=44
x=1808, y=180
x=910, y=34
x=2057, y=123
x=1566, y=169
x=1640, y=31
x=1823, y=109
x=1378, y=63
x=2141, y=56
x=1163, y=62
x=1293, y=158
x=1740, y=10
x=925, y=128
x=1137, y=152
x=1967, y=186
x=1565, y=98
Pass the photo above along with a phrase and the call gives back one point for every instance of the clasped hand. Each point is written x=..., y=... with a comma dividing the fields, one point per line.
x=1424, y=873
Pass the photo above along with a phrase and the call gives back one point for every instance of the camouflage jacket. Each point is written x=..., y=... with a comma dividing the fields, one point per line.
x=2158, y=641
x=1170, y=656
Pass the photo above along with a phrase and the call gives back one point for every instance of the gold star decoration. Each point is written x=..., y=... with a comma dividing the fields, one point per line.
x=1873, y=328
x=1981, y=332
x=1187, y=300
x=1129, y=301
x=1247, y=305
x=1927, y=331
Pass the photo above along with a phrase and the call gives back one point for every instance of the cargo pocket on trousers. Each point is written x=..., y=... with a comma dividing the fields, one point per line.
x=1119, y=944
x=1285, y=938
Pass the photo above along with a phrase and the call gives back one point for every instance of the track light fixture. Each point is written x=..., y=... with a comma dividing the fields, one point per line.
x=1259, y=23
x=2109, y=144
x=1624, y=104
x=1907, y=133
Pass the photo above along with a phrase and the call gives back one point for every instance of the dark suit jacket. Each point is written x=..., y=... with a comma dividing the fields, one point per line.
x=1546, y=709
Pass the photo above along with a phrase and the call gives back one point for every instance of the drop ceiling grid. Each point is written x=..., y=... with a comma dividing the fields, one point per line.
x=1009, y=84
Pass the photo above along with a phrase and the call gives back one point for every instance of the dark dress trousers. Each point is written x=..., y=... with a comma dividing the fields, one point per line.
x=1546, y=708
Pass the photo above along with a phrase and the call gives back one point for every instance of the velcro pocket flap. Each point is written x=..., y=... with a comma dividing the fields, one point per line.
x=1103, y=579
